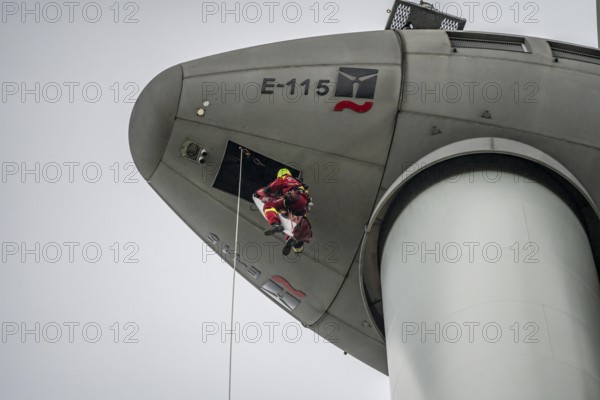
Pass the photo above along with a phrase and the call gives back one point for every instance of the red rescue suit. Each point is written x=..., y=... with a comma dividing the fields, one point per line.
x=288, y=195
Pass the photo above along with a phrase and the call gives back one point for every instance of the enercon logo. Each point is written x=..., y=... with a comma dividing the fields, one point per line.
x=358, y=83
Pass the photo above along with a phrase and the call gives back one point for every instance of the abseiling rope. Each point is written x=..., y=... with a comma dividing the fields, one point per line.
x=237, y=224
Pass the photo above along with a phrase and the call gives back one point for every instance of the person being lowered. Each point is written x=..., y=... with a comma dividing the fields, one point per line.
x=287, y=196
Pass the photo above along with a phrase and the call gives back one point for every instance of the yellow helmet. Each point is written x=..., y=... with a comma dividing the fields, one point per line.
x=283, y=172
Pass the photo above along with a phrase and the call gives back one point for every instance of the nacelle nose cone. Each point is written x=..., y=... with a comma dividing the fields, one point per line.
x=152, y=120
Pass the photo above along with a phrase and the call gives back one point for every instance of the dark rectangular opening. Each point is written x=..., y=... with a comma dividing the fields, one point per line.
x=257, y=171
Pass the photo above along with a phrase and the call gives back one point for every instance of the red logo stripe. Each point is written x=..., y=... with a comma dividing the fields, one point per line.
x=342, y=105
x=298, y=294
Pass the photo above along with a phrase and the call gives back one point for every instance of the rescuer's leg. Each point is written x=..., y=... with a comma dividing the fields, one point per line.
x=272, y=215
x=298, y=247
x=292, y=244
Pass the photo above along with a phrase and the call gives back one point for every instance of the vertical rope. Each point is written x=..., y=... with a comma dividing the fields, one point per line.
x=237, y=224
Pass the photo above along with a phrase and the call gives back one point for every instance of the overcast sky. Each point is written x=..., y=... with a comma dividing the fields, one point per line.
x=104, y=291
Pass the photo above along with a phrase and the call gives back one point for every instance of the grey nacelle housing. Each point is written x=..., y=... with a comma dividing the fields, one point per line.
x=356, y=162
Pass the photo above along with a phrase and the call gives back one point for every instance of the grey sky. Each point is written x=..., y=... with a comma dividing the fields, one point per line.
x=67, y=86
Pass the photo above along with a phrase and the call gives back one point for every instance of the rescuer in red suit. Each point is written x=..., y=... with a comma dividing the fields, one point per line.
x=287, y=196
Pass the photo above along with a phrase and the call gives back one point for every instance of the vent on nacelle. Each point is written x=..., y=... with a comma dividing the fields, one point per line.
x=572, y=52
x=469, y=40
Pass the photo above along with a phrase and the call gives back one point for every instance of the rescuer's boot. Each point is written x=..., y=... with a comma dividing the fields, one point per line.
x=298, y=247
x=287, y=248
x=275, y=228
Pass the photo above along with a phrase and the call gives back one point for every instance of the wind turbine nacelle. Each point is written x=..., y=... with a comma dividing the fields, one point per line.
x=357, y=115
